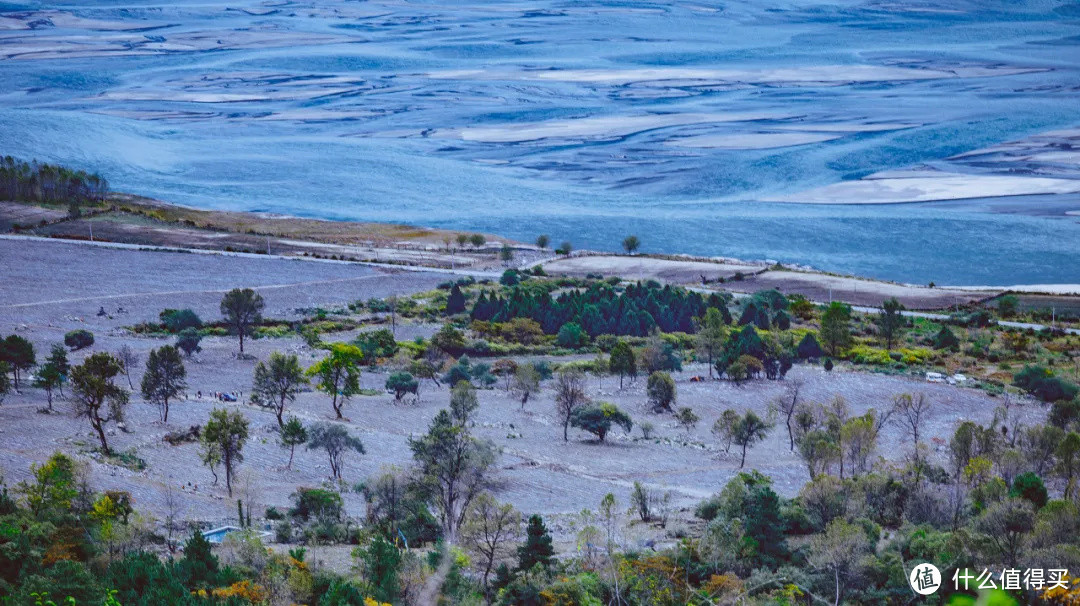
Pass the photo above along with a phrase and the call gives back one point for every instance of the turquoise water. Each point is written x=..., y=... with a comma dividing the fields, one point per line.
x=568, y=118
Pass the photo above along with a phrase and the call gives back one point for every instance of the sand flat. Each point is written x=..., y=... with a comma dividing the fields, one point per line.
x=947, y=186
x=752, y=140
x=594, y=127
x=817, y=75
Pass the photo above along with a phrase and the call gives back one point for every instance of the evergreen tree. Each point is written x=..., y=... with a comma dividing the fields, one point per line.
x=381, y=563
x=164, y=378
x=835, y=330
x=199, y=566
x=455, y=302
x=537, y=548
x=19, y=355
x=891, y=321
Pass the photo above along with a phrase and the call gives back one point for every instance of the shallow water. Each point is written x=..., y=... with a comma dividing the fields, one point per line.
x=584, y=120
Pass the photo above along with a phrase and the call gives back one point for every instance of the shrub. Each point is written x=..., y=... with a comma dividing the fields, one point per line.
x=316, y=503
x=176, y=320
x=661, y=390
x=79, y=339
x=572, y=336
x=809, y=347
x=946, y=339
x=1042, y=383
x=1029, y=486
x=510, y=277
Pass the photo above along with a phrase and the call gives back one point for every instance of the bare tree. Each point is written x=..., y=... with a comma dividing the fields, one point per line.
x=787, y=404
x=174, y=515
x=128, y=359
x=526, y=382
x=491, y=532
x=569, y=396
x=839, y=552
x=912, y=411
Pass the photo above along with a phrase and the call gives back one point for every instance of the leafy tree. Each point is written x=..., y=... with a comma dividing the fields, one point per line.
x=19, y=355
x=622, y=361
x=58, y=359
x=401, y=383
x=277, y=382
x=452, y=469
x=526, y=382
x=569, y=396
x=455, y=302
x=505, y=368
x=242, y=309
x=79, y=339
x=164, y=379
x=336, y=441
x=506, y=254
x=630, y=244
x=1002, y=528
x=565, y=248
x=724, y=427
x=462, y=239
x=835, y=330
x=537, y=549
x=543, y=240
x=93, y=389
x=49, y=377
x=661, y=390
x=687, y=418
x=463, y=403
x=224, y=436
x=477, y=240
x=747, y=431
x=293, y=434
x=54, y=488
x=338, y=374
x=598, y=418
x=188, y=341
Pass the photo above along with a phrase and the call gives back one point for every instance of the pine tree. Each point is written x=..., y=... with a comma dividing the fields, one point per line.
x=537, y=548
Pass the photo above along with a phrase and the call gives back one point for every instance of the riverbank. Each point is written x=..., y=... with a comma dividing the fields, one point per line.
x=138, y=221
